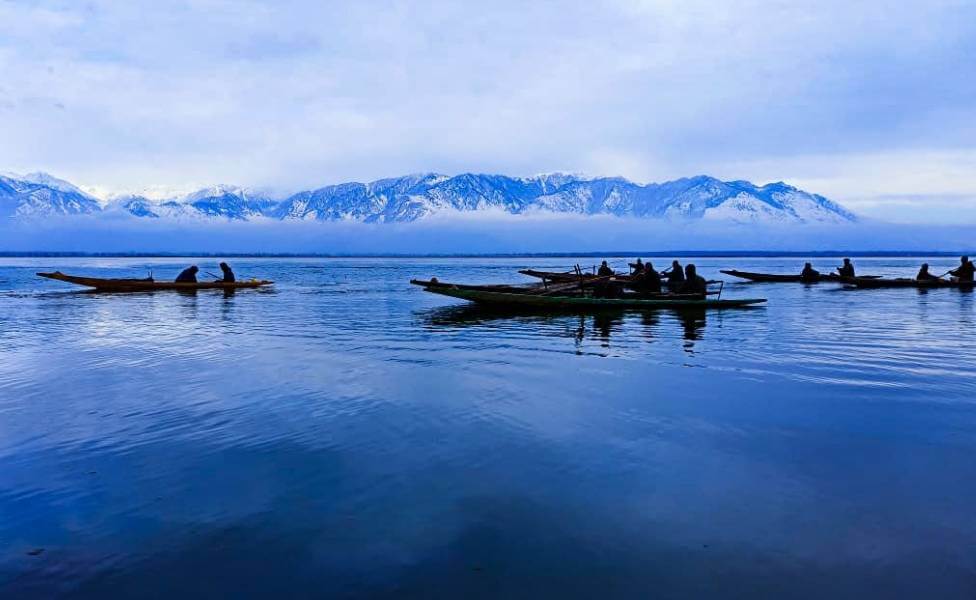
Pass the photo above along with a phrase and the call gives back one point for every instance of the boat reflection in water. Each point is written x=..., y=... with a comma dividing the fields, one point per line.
x=600, y=325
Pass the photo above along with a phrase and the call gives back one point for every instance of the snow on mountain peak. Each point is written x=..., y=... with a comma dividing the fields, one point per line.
x=420, y=195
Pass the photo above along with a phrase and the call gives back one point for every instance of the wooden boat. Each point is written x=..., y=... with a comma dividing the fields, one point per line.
x=771, y=278
x=149, y=285
x=571, y=298
x=874, y=283
x=568, y=276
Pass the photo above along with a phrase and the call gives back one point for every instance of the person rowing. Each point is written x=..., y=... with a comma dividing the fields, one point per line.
x=675, y=275
x=809, y=273
x=847, y=269
x=188, y=275
x=647, y=281
x=652, y=279
x=605, y=270
x=924, y=275
x=638, y=266
x=965, y=271
x=228, y=273
x=694, y=283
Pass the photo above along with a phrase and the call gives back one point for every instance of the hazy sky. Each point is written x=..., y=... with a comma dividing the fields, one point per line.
x=870, y=103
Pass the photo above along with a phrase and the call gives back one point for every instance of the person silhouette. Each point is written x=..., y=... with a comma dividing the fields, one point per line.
x=228, y=274
x=964, y=272
x=188, y=275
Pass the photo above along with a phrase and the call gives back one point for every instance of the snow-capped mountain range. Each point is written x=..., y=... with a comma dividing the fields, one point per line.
x=414, y=197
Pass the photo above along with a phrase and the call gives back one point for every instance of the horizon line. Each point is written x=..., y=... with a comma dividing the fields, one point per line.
x=591, y=254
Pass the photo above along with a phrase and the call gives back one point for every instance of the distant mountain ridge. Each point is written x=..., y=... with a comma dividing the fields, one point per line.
x=418, y=196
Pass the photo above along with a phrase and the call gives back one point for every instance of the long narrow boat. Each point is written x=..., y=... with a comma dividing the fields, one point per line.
x=515, y=296
x=770, y=277
x=863, y=282
x=566, y=277
x=149, y=285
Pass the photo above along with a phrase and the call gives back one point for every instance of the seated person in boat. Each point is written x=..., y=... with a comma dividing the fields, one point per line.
x=809, y=273
x=605, y=270
x=964, y=272
x=924, y=275
x=846, y=269
x=638, y=267
x=647, y=281
x=188, y=275
x=676, y=275
x=652, y=279
x=694, y=283
x=228, y=274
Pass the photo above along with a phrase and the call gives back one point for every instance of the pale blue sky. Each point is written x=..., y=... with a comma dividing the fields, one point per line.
x=870, y=103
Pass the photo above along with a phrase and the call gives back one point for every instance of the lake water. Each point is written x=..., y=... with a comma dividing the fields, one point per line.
x=346, y=434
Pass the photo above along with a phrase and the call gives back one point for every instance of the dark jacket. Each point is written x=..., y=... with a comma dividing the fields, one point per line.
x=652, y=281
x=964, y=272
x=647, y=281
x=924, y=275
x=698, y=285
x=846, y=270
x=604, y=271
x=188, y=275
x=810, y=274
x=228, y=274
x=676, y=275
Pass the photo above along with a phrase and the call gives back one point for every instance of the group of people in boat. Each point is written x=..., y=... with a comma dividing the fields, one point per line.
x=964, y=272
x=811, y=274
x=645, y=279
x=189, y=274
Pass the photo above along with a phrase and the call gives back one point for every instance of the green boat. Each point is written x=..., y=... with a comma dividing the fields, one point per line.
x=510, y=295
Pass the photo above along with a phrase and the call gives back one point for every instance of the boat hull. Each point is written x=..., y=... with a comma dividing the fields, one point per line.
x=771, y=278
x=147, y=285
x=775, y=278
x=557, y=277
x=508, y=298
x=910, y=283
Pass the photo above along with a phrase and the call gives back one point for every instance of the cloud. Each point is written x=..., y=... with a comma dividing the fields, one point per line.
x=300, y=93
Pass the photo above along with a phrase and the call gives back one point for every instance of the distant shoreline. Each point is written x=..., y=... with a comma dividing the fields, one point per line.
x=608, y=253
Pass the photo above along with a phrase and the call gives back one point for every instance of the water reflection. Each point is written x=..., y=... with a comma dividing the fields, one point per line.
x=693, y=323
x=601, y=325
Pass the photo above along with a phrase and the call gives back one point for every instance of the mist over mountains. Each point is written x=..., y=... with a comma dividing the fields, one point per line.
x=417, y=197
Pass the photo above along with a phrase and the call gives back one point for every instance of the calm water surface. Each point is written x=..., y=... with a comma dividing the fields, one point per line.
x=346, y=434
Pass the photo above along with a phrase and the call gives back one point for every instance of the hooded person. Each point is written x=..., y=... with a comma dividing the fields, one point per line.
x=809, y=273
x=228, y=274
x=694, y=283
x=652, y=279
x=924, y=275
x=188, y=275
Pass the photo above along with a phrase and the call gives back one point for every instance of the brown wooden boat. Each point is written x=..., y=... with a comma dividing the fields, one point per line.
x=149, y=284
x=567, y=276
x=571, y=296
x=778, y=278
x=861, y=282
